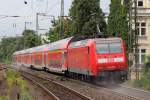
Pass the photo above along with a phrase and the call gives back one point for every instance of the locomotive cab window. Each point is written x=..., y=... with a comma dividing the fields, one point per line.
x=108, y=48
x=115, y=48
x=102, y=48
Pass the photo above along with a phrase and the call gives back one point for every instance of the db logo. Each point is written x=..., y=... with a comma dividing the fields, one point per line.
x=110, y=56
x=110, y=60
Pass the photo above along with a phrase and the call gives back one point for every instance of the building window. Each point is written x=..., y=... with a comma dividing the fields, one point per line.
x=140, y=3
x=141, y=56
x=141, y=28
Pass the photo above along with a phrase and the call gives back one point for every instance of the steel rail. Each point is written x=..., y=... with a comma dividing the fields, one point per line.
x=107, y=91
x=77, y=94
x=116, y=94
x=42, y=87
x=53, y=97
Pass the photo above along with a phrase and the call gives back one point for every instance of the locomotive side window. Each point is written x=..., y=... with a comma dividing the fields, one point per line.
x=115, y=48
x=102, y=48
x=79, y=43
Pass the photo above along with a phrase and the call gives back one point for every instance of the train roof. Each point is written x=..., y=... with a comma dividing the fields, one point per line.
x=111, y=38
x=64, y=43
x=61, y=44
x=87, y=42
x=34, y=49
x=108, y=40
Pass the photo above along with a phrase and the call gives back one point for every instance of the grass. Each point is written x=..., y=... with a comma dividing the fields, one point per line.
x=7, y=61
x=4, y=98
x=14, y=78
x=144, y=82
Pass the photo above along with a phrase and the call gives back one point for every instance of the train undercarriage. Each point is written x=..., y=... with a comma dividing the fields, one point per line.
x=103, y=78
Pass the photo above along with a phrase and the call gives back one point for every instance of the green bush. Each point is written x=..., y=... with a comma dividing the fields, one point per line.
x=144, y=82
x=15, y=78
x=4, y=98
x=138, y=83
x=147, y=65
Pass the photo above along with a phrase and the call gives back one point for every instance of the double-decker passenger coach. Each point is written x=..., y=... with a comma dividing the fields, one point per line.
x=96, y=58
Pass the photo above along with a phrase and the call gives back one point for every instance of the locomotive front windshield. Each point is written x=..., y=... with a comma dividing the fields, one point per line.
x=102, y=48
x=105, y=48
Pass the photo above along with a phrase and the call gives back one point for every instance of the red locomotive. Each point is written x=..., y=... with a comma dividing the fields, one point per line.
x=98, y=57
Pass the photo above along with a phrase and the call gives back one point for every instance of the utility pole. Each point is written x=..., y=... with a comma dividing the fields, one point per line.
x=37, y=27
x=130, y=34
x=61, y=18
x=37, y=23
x=25, y=25
x=133, y=37
x=136, y=41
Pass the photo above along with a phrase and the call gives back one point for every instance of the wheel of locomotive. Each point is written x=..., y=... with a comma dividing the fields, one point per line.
x=45, y=69
x=67, y=74
x=31, y=66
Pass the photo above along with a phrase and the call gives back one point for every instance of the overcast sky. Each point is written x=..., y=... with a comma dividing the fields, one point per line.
x=14, y=26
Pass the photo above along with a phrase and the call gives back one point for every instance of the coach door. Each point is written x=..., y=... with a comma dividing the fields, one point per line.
x=45, y=58
x=64, y=64
x=32, y=59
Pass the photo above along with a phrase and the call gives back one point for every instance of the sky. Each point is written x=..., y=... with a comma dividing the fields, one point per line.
x=10, y=26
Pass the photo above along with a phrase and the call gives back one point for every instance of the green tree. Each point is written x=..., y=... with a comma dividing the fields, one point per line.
x=147, y=65
x=54, y=32
x=85, y=18
x=9, y=45
x=117, y=20
x=30, y=39
x=86, y=15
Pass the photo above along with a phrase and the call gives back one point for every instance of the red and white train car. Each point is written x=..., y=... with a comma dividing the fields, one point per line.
x=50, y=56
x=90, y=57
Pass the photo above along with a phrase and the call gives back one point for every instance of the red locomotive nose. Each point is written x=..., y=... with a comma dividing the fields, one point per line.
x=110, y=56
x=113, y=62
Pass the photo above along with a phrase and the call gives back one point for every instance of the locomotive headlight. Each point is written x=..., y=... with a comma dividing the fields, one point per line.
x=102, y=60
x=118, y=59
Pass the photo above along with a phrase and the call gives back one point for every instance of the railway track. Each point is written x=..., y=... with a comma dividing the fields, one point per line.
x=51, y=95
x=101, y=93
x=58, y=90
x=105, y=93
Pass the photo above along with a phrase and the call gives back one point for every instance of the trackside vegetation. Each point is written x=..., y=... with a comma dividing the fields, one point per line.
x=15, y=83
x=9, y=45
x=144, y=82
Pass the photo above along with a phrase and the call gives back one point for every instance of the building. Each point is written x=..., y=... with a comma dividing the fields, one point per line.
x=143, y=32
x=143, y=29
